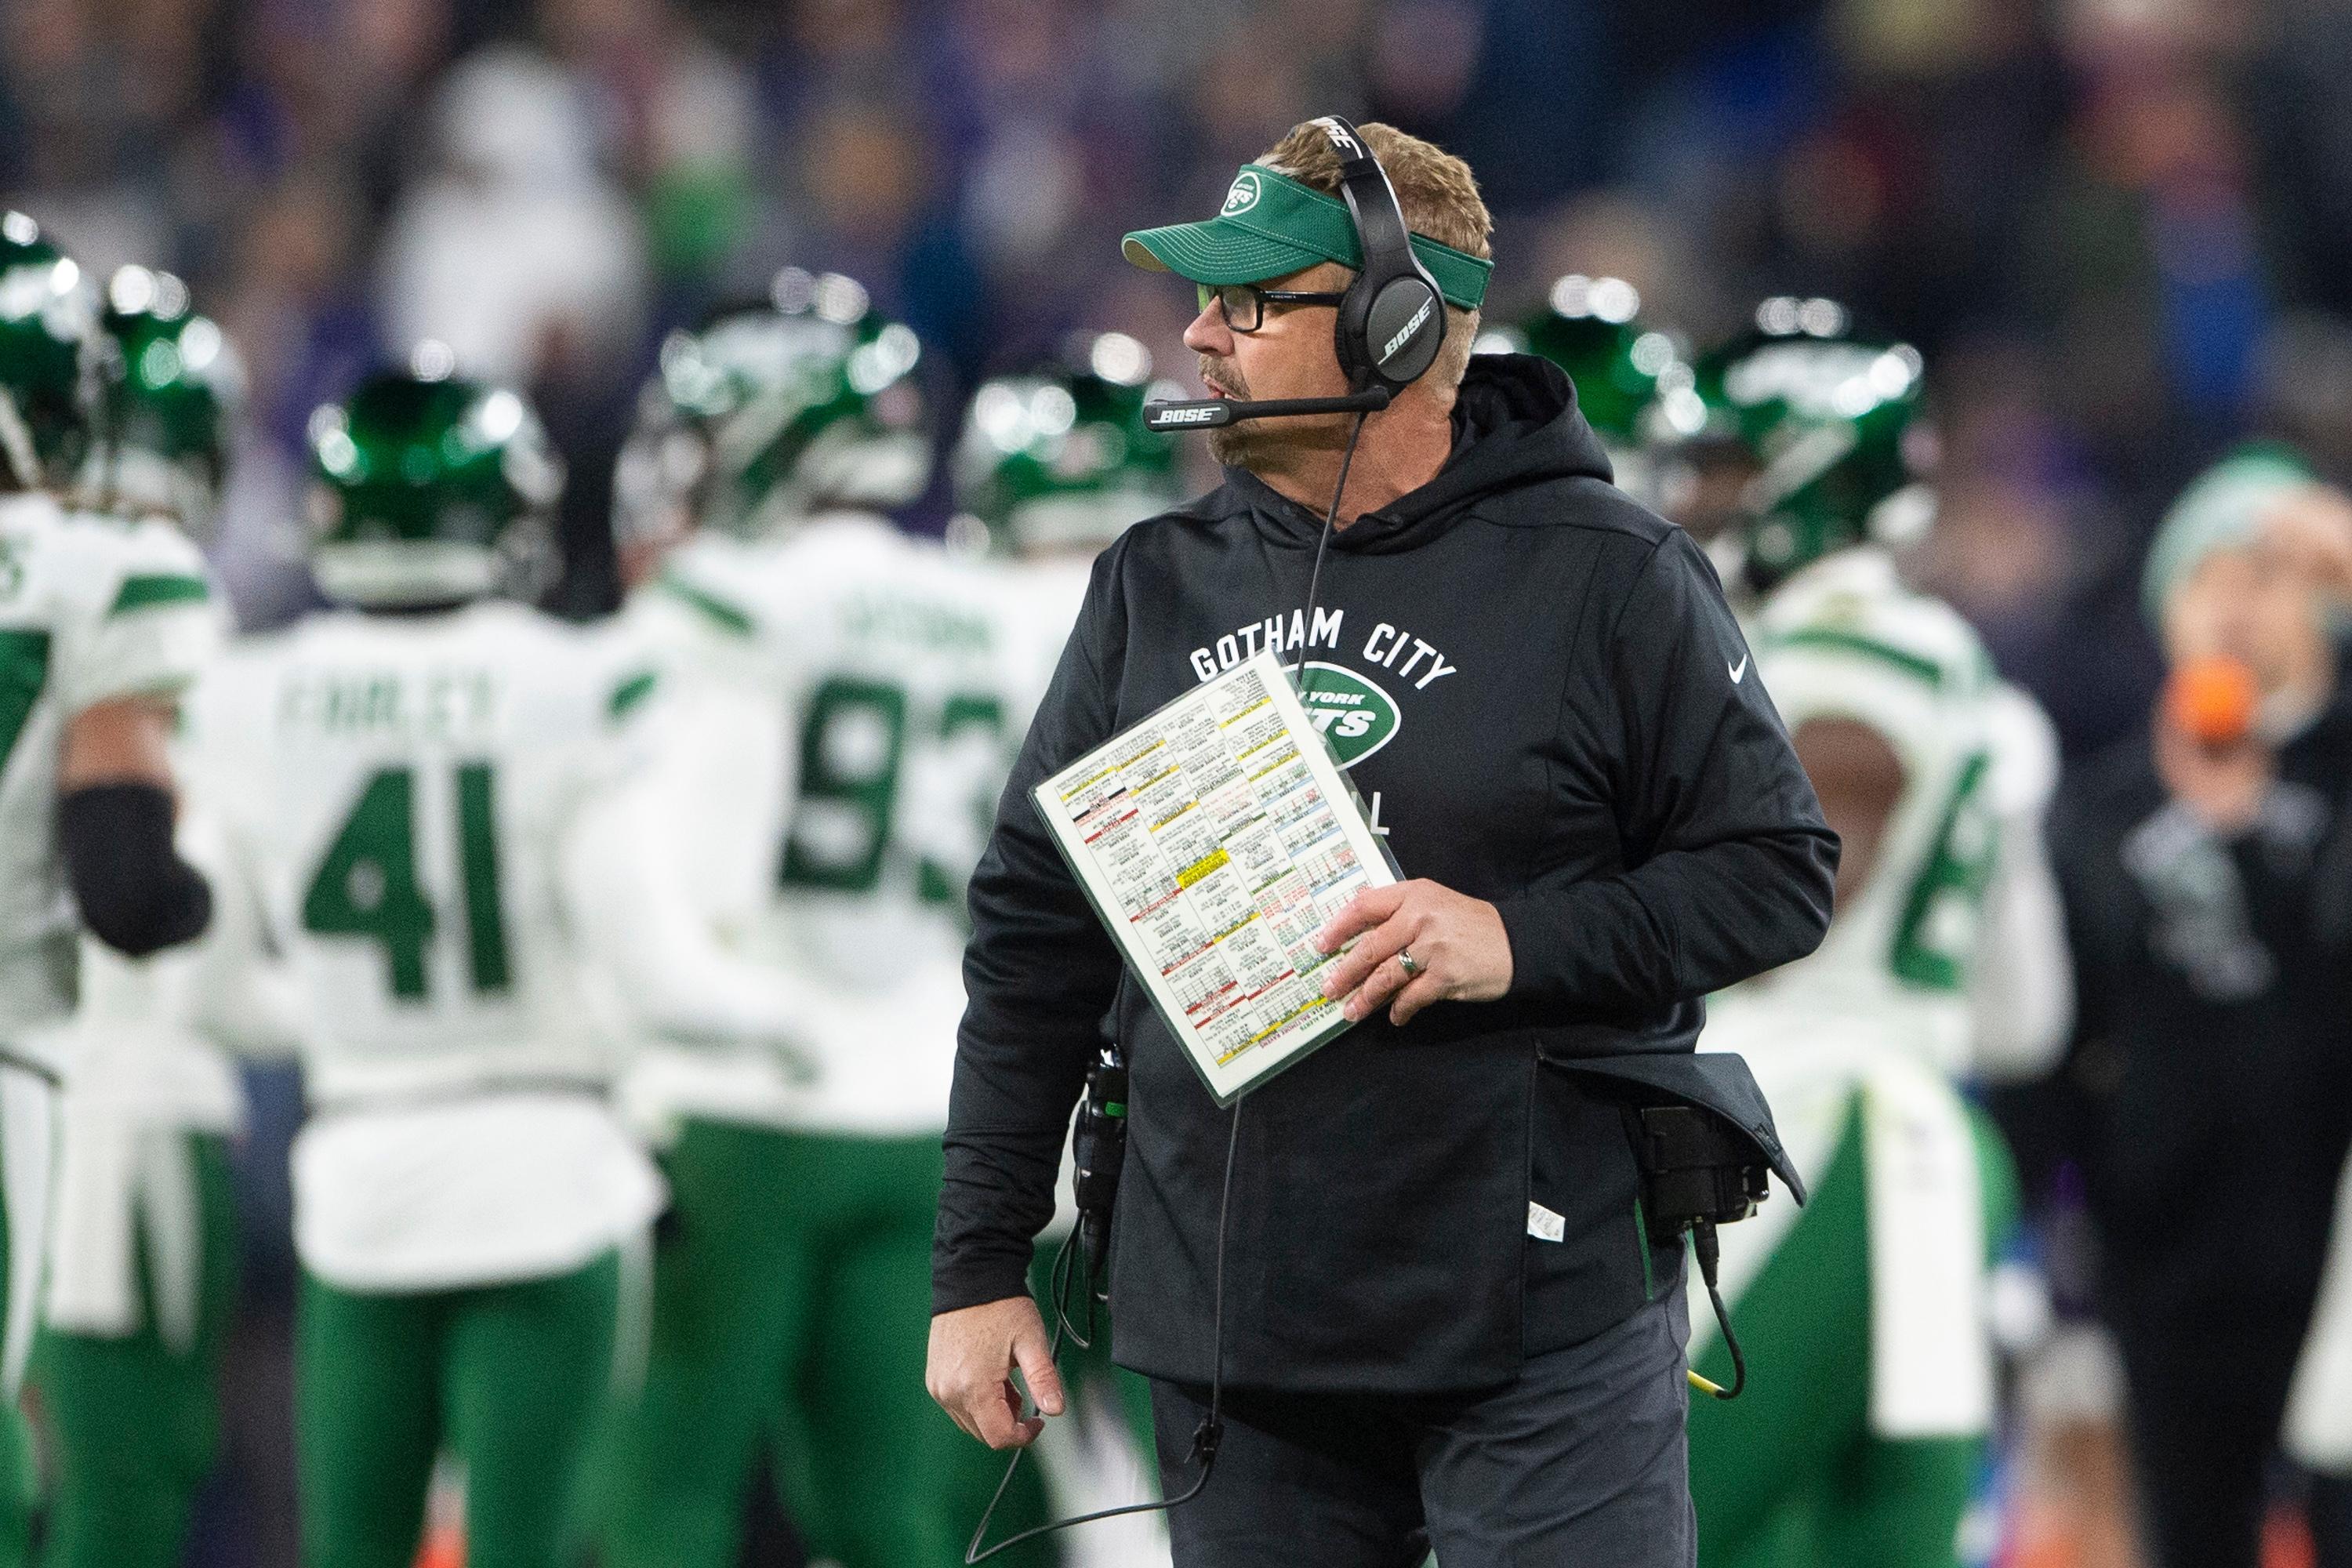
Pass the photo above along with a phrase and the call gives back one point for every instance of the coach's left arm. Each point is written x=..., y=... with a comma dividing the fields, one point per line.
x=1729, y=864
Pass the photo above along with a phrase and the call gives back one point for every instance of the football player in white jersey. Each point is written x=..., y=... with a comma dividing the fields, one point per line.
x=432, y=793
x=852, y=697
x=141, y=1274
x=1701, y=475
x=102, y=623
x=1868, y=1306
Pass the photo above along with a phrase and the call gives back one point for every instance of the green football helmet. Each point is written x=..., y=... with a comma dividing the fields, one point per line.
x=1823, y=417
x=1059, y=458
x=1592, y=327
x=171, y=392
x=775, y=411
x=48, y=309
x=430, y=489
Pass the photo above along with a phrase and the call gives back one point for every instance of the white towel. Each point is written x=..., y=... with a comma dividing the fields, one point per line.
x=28, y=1110
x=136, y=1083
x=1931, y=1371
x=2318, y=1427
x=1931, y=1363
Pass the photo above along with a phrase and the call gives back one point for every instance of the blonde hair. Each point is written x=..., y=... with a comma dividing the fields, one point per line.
x=1436, y=193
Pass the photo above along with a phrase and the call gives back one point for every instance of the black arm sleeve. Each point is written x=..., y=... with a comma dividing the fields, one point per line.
x=1039, y=975
x=1729, y=863
x=136, y=894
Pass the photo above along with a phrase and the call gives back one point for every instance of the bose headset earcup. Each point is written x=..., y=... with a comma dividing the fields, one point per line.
x=1392, y=320
x=1405, y=329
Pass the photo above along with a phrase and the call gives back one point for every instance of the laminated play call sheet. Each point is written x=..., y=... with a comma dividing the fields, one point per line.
x=1215, y=839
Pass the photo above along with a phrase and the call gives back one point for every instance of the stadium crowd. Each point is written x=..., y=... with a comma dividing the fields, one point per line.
x=2112, y=229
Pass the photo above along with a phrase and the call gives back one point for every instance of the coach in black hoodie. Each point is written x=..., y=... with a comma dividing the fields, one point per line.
x=1443, y=1320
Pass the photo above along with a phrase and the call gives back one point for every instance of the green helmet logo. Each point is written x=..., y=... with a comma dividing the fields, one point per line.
x=1821, y=415
x=431, y=489
x=1592, y=327
x=170, y=390
x=48, y=309
x=1059, y=458
x=774, y=411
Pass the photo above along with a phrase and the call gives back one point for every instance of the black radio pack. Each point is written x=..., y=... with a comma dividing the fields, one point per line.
x=1706, y=1147
x=1697, y=1169
x=1097, y=1146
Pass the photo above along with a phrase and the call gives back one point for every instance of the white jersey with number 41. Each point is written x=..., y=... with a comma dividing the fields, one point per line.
x=842, y=708
x=399, y=790
x=410, y=799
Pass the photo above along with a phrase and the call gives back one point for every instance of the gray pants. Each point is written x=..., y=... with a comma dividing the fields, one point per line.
x=1581, y=1460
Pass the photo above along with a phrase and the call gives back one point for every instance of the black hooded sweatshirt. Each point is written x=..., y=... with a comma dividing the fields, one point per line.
x=1564, y=722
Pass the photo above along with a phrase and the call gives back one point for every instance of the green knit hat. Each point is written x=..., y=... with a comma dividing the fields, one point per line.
x=2223, y=508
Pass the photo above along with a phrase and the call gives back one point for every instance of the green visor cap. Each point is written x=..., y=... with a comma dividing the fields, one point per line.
x=1272, y=226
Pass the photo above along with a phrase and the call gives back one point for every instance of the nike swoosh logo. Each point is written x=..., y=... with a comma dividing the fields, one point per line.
x=1737, y=670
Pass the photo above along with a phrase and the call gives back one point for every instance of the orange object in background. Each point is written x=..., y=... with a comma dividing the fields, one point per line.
x=2211, y=699
x=2286, y=1539
x=443, y=1546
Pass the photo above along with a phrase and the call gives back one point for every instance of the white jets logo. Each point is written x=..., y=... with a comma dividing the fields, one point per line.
x=1738, y=671
x=1244, y=194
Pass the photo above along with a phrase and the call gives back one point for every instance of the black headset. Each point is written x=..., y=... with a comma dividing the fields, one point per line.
x=1393, y=318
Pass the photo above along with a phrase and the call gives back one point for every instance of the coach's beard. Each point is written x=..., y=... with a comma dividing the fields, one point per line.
x=1263, y=445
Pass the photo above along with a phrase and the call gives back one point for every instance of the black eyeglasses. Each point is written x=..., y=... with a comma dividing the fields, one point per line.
x=1245, y=304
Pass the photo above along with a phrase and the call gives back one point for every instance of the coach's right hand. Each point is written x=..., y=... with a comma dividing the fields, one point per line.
x=974, y=1352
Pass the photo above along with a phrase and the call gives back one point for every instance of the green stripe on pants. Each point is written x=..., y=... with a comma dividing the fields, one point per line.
x=133, y=1421
x=791, y=1305
x=1789, y=1475
x=508, y=1378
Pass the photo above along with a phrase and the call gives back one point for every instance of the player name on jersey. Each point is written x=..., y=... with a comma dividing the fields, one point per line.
x=446, y=702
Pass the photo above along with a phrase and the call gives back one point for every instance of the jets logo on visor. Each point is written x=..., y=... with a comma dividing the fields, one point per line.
x=1244, y=195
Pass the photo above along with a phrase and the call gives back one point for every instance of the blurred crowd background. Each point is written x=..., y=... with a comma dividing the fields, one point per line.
x=2115, y=227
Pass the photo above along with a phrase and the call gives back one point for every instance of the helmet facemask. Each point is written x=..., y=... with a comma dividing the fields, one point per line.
x=1821, y=417
x=48, y=311
x=171, y=389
